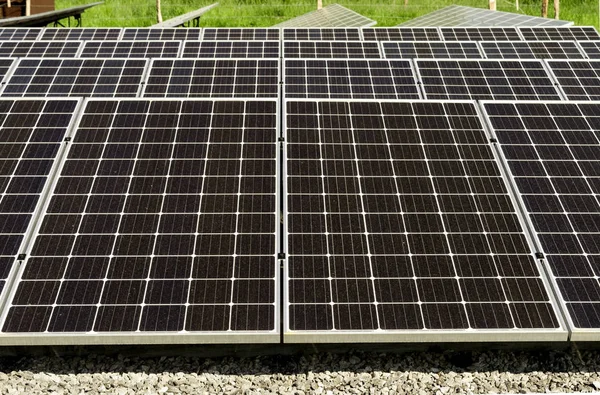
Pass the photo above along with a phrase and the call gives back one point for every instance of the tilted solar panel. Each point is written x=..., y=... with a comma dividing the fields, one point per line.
x=19, y=34
x=130, y=49
x=81, y=34
x=430, y=49
x=401, y=34
x=231, y=49
x=480, y=34
x=244, y=34
x=576, y=33
x=577, y=79
x=590, y=48
x=166, y=33
x=531, y=50
x=46, y=49
x=332, y=15
x=318, y=33
x=331, y=49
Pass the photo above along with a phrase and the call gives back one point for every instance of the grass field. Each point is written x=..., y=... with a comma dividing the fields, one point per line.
x=257, y=13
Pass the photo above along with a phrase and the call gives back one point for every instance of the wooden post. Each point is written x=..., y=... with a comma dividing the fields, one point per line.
x=544, y=8
x=158, y=12
x=8, y=5
x=556, y=8
x=319, y=4
x=517, y=4
x=493, y=5
x=405, y=3
x=27, y=7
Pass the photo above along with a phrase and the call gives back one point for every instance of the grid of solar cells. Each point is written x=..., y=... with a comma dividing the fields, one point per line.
x=162, y=220
x=352, y=79
x=47, y=49
x=82, y=34
x=578, y=79
x=162, y=34
x=130, y=49
x=401, y=34
x=399, y=219
x=553, y=152
x=486, y=80
x=431, y=49
x=76, y=77
x=480, y=34
x=330, y=34
x=531, y=50
x=32, y=133
x=5, y=65
x=576, y=33
x=331, y=49
x=591, y=48
x=213, y=78
x=231, y=49
x=19, y=34
x=333, y=15
x=229, y=34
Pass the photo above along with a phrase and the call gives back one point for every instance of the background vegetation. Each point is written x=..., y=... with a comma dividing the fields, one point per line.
x=261, y=13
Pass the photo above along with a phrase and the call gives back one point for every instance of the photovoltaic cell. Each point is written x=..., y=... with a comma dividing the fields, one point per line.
x=553, y=152
x=333, y=15
x=486, y=80
x=431, y=49
x=76, y=77
x=244, y=34
x=162, y=34
x=231, y=49
x=329, y=34
x=130, y=49
x=213, y=78
x=480, y=34
x=577, y=79
x=32, y=133
x=5, y=65
x=46, y=49
x=591, y=48
x=576, y=33
x=19, y=34
x=399, y=224
x=352, y=79
x=531, y=50
x=330, y=49
x=162, y=221
x=401, y=34
x=81, y=34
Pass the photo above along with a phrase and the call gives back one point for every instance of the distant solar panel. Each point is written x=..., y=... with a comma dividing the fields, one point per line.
x=161, y=223
x=231, y=49
x=486, y=80
x=331, y=49
x=329, y=34
x=352, y=79
x=244, y=34
x=576, y=33
x=130, y=49
x=590, y=48
x=456, y=15
x=431, y=49
x=577, y=79
x=81, y=34
x=76, y=77
x=553, y=152
x=401, y=227
x=531, y=50
x=55, y=49
x=480, y=34
x=162, y=34
x=333, y=15
x=31, y=138
x=401, y=34
x=19, y=34
x=213, y=78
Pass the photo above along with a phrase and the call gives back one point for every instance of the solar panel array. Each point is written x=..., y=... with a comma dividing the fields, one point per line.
x=305, y=184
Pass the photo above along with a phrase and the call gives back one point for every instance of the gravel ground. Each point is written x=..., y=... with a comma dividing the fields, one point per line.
x=353, y=372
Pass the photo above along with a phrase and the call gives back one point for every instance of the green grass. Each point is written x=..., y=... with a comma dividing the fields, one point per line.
x=257, y=13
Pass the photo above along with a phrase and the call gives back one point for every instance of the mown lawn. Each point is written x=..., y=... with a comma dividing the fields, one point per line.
x=257, y=13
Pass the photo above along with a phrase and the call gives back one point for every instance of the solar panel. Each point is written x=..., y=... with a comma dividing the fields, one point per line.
x=31, y=138
x=329, y=34
x=576, y=33
x=401, y=227
x=531, y=50
x=364, y=79
x=577, y=79
x=333, y=15
x=401, y=34
x=82, y=34
x=330, y=49
x=231, y=49
x=553, y=152
x=480, y=34
x=130, y=49
x=456, y=15
x=19, y=34
x=162, y=34
x=244, y=34
x=5, y=65
x=590, y=48
x=76, y=77
x=47, y=49
x=486, y=80
x=161, y=225
x=431, y=49
x=213, y=78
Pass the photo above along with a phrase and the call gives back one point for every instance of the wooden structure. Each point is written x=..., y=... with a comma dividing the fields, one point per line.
x=50, y=17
